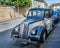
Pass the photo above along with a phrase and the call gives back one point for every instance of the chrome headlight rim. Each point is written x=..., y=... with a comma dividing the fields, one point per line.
x=16, y=29
x=33, y=32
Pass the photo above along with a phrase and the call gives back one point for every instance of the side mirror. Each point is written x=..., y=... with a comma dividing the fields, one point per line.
x=51, y=12
x=48, y=16
x=24, y=15
x=51, y=15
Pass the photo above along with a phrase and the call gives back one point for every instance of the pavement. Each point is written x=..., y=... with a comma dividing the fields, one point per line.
x=53, y=40
x=5, y=25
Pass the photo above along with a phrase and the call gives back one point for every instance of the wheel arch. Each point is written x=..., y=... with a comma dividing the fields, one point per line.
x=42, y=31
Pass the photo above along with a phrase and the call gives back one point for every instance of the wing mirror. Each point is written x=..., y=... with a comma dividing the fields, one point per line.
x=24, y=15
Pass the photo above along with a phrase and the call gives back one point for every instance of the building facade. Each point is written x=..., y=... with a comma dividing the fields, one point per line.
x=39, y=3
x=55, y=6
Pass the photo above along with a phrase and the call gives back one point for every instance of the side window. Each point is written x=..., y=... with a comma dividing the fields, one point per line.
x=29, y=13
x=51, y=12
x=38, y=12
x=46, y=14
x=34, y=13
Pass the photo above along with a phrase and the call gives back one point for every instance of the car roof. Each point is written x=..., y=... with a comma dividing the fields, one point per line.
x=40, y=9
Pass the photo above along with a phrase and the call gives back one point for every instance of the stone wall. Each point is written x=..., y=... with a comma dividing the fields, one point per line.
x=24, y=11
x=7, y=13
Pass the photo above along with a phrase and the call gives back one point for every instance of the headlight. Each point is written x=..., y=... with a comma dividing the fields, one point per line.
x=16, y=28
x=33, y=32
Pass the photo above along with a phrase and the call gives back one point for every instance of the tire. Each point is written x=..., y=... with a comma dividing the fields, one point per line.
x=57, y=20
x=53, y=25
x=28, y=43
x=43, y=36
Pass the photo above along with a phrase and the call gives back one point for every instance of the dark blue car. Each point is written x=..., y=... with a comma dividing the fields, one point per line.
x=56, y=16
x=58, y=10
x=36, y=26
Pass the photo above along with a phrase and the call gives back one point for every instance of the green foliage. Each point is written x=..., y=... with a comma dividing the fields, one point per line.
x=7, y=2
x=24, y=3
x=1, y=2
x=21, y=3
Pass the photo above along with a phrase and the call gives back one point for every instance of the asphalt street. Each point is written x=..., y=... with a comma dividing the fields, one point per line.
x=53, y=40
x=7, y=42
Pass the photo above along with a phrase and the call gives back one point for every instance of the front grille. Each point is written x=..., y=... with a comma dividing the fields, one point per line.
x=15, y=34
x=33, y=39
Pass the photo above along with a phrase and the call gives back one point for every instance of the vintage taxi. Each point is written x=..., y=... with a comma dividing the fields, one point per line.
x=36, y=26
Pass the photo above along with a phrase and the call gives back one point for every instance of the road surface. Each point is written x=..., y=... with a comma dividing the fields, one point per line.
x=5, y=31
x=7, y=42
x=53, y=40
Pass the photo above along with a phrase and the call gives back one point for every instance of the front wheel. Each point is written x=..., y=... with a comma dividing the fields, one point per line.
x=43, y=36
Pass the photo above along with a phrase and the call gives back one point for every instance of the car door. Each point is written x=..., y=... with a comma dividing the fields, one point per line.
x=48, y=20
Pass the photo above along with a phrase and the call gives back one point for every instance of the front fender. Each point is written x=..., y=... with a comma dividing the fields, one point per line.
x=38, y=33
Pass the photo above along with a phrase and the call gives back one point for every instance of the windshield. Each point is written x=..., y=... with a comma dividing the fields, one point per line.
x=35, y=13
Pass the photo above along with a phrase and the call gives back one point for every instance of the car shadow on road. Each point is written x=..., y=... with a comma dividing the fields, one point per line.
x=18, y=44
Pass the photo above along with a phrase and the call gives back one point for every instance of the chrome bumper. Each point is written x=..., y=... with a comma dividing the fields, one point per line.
x=23, y=40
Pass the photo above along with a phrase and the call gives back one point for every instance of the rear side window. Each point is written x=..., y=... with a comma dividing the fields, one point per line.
x=46, y=13
x=51, y=12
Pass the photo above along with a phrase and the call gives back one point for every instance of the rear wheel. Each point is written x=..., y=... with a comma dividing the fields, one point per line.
x=56, y=21
x=28, y=43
